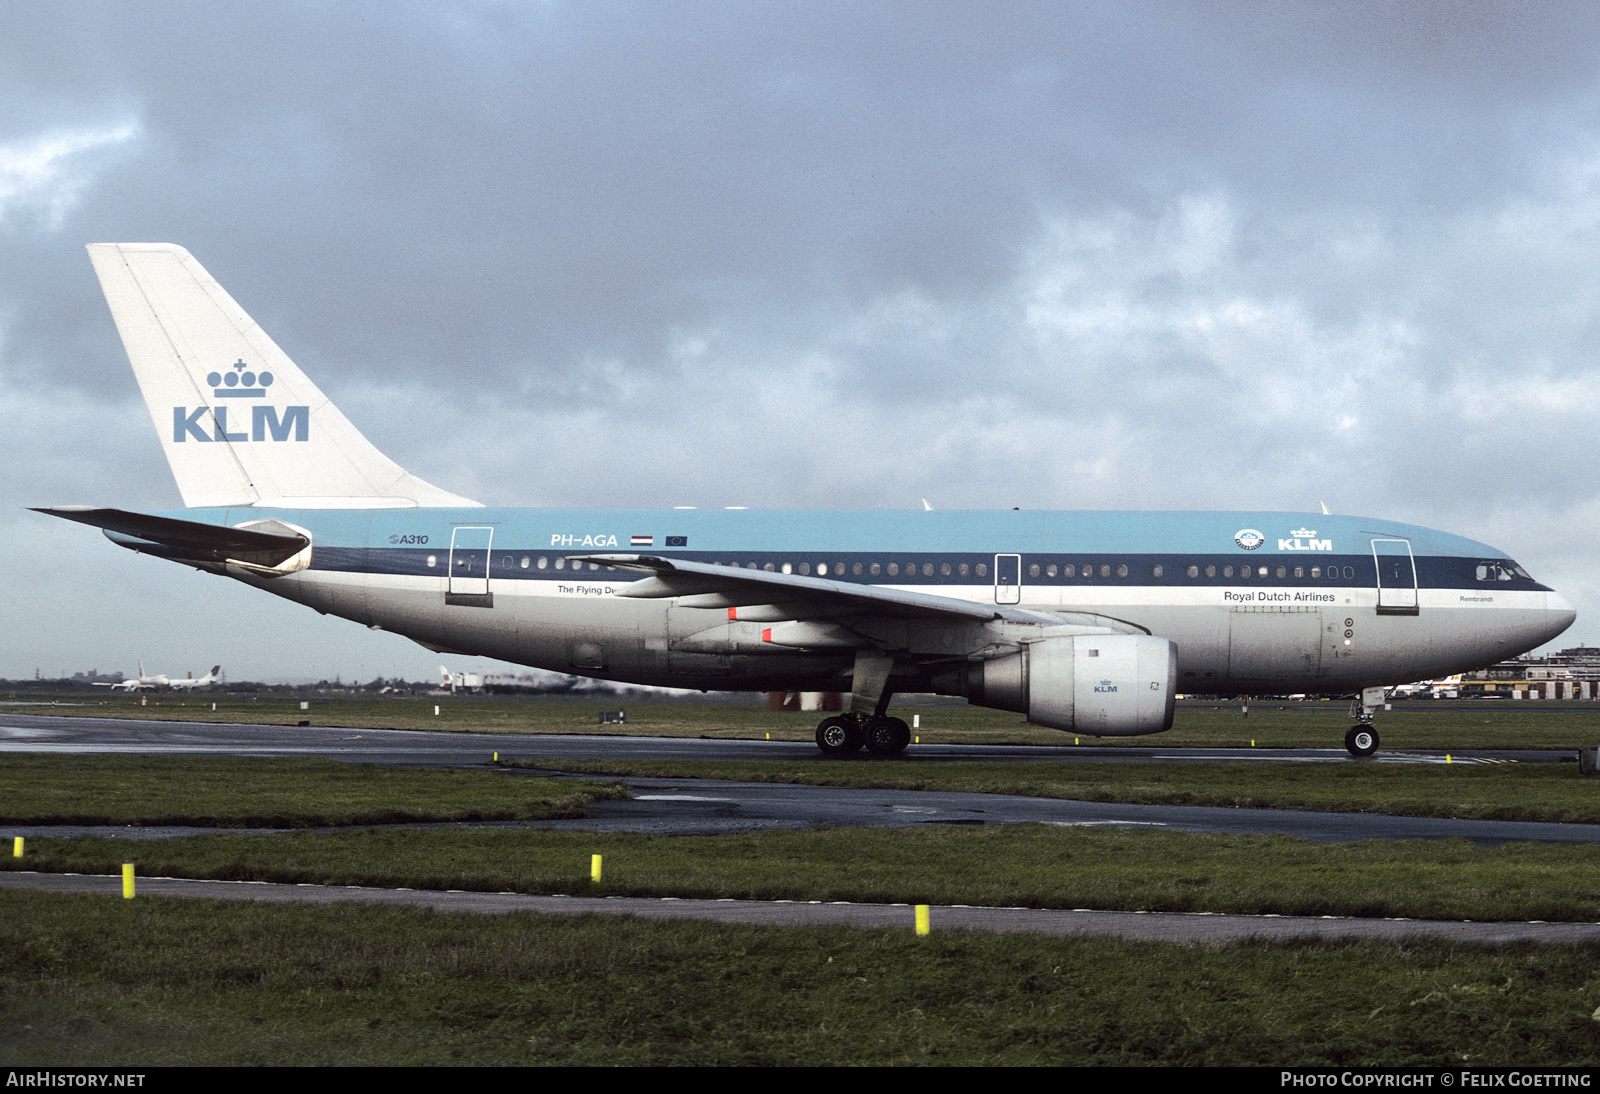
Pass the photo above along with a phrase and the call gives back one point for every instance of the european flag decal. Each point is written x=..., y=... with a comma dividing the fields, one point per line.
x=677, y=541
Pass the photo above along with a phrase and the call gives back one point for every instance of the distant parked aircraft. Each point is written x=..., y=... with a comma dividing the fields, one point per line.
x=190, y=683
x=138, y=683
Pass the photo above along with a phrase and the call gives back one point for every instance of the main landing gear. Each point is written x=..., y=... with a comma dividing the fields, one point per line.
x=866, y=724
x=1362, y=740
x=846, y=733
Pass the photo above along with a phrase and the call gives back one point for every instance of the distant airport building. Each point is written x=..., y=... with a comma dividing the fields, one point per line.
x=1567, y=674
x=804, y=700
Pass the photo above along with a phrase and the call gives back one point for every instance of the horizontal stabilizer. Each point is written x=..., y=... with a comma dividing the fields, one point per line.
x=190, y=539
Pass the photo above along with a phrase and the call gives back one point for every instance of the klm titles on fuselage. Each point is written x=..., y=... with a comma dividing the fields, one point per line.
x=265, y=421
x=1304, y=539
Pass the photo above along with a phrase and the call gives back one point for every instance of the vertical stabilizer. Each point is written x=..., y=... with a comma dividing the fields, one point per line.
x=239, y=422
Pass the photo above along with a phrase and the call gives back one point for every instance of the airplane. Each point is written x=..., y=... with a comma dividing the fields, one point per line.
x=1086, y=622
x=138, y=683
x=190, y=683
x=466, y=681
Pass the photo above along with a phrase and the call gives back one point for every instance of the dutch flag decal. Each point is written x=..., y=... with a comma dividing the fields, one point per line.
x=642, y=541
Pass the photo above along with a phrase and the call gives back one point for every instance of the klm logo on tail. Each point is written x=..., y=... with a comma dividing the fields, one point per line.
x=265, y=422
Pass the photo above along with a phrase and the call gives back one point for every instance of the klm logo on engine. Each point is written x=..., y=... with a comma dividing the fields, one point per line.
x=1105, y=687
x=266, y=424
x=1304, y=539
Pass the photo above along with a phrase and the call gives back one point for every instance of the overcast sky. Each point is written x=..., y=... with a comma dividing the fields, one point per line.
x=1118, y=255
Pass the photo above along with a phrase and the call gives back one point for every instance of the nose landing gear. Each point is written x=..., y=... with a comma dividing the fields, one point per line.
x=1362, y=740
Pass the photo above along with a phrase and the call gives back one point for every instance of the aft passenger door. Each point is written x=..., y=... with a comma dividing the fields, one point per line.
x=469, y=568
x=1007, y=579
x=1397, y=576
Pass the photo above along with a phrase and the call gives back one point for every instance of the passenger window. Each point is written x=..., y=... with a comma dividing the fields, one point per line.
x=894, y=569
x=543, y=562
x=1283, y=572
x=1227, y=571
x=1299, y=571
x=822, y=569
x=1122, y=570
x=1050, y=570
x=1157, y=572
x=433, y=560
x=1033, y=569
x=983, y=569
x=561, y=563
x=751, y=566
x=1069, y=570
x=770, y=567
x=1105, y=570
x=927, y=569
x=1211, y=571
x=1316, y=571
x=944, y=569
x=874, y=569
x=1194, y=571
x=855, y=568
x=805, y=569
x=524, y=562
x=964, y=569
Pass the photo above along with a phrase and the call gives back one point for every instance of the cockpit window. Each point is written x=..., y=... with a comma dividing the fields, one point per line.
x=1501, y=570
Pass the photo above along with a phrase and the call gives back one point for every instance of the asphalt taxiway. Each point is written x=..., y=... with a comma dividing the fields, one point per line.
x=1191, y=928
x=701, y=806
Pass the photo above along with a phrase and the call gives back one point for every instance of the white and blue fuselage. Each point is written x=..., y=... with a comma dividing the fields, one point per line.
x=1316, y=604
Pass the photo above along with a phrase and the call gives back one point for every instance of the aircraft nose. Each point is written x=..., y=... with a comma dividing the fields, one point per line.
x=1559, y=614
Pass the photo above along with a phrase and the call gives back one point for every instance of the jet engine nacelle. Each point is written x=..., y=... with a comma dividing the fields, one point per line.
x=1115, y=685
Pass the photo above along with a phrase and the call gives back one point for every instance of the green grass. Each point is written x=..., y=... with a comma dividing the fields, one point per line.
x=44, y=788
x=1199, y=723
x=1524, y=792
x=103, y=982
x=1037, y=866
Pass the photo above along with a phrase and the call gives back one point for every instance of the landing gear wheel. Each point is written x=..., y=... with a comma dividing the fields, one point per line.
x=887, y=736
x=838, y=736
x=1361, y=740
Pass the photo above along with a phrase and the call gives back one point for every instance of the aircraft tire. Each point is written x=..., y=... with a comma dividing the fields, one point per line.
x=1361, y=740
x=839, y=736
x=887, y=736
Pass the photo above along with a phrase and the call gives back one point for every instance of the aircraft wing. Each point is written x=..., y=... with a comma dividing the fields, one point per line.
x=702, y=585
x=186, y=539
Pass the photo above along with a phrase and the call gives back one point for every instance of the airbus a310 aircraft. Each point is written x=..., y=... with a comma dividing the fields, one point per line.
x=1089, y=622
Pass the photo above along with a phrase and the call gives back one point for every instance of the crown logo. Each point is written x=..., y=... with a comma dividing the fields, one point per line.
x=1302, y=533
x=240, y=382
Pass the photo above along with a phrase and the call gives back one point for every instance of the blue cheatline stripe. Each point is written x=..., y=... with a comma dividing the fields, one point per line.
x=1105, y=570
